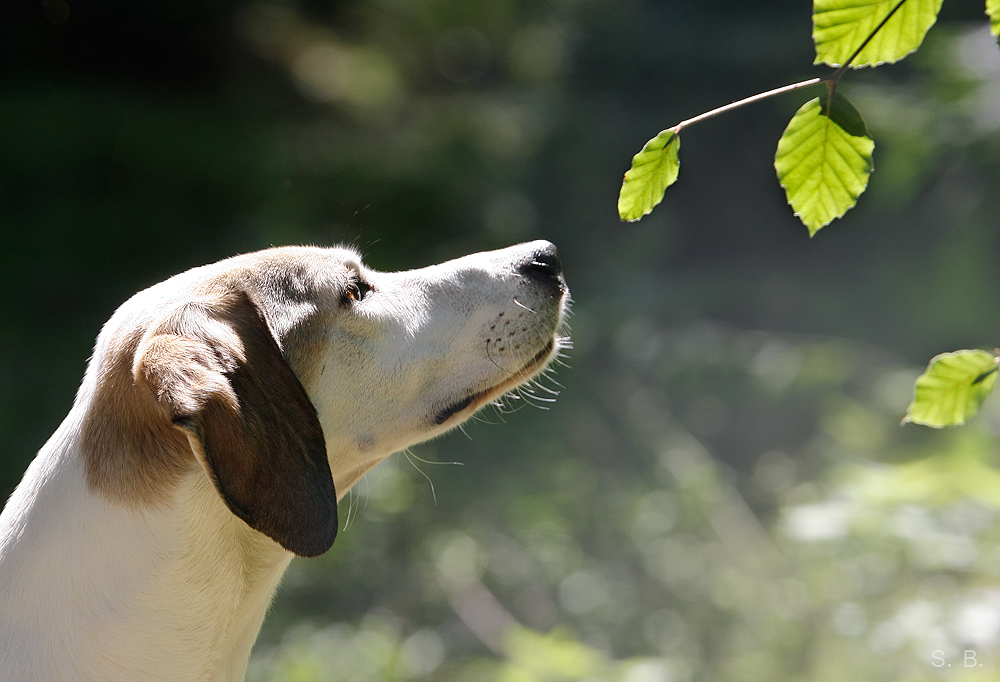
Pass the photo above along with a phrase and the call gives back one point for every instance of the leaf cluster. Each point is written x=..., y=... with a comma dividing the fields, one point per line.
x=825, y=155
x=825, y=158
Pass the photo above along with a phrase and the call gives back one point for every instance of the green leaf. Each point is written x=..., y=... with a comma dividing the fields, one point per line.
x=653, y=170
x=824, y=159
x=993, y=12
x=846, y=115
x=841, y=26
x=952, y=388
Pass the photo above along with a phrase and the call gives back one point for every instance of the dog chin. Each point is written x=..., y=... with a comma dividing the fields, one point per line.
x=471, y=403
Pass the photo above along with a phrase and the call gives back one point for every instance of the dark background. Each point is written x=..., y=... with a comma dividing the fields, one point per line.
x=140, y=139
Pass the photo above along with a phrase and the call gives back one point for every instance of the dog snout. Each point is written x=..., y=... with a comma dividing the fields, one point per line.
x=543, y=265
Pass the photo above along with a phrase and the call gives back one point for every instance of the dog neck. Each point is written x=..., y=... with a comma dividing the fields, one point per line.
x=83, y=580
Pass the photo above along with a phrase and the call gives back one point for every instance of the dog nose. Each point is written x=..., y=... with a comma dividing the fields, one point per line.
x=543, y=265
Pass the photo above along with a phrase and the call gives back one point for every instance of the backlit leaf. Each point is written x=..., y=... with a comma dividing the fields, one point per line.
x=824, y=159
x=653, y=170
x=993, y=12
x=841, y=26
x=952, y=388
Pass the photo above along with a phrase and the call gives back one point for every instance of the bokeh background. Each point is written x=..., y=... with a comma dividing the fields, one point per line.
x=722, y=490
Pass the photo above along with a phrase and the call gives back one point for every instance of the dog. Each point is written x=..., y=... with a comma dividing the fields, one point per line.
x=222, y=415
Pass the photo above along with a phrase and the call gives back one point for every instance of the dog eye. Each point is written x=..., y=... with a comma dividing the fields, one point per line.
x=357, y=290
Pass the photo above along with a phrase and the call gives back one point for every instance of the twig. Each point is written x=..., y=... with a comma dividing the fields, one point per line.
x=830, y=80
x=743, y=102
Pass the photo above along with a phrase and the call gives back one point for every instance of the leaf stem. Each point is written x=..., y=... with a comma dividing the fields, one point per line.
x=835, y=77
x=748, y=100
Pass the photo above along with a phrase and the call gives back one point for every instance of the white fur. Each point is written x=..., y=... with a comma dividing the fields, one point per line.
x=97, y=588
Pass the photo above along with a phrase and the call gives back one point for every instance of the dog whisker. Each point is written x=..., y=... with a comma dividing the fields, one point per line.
x=407, y=454
x=503, y=406
x=531, y=398
x=516, y=302
x=537, y=383
x=495, y=363
x=559, y=360
x=367, y=491
x=545, y=388
x=410, y=453
x=351, y=500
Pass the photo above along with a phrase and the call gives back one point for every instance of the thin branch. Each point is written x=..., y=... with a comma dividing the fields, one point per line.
x=743, y=102
x=830, y=80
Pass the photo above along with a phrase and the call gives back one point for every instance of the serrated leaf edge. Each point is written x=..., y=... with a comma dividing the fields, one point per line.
x=907, y=419
x=870, y=160
x=660, y=160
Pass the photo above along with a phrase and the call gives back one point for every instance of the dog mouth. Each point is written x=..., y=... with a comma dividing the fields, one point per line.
x=477, y=400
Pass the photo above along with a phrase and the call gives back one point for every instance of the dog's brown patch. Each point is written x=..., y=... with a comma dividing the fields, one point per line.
x=131, y=451
x=208, y=383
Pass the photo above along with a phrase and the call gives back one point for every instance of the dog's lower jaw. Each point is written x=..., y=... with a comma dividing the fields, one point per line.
x=468, y=405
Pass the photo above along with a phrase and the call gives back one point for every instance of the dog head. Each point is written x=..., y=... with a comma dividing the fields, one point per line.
x=287, y=374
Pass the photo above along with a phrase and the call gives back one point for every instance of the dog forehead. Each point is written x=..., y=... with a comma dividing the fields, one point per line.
x=287, y=282
x=288, y=269
x=290, y=284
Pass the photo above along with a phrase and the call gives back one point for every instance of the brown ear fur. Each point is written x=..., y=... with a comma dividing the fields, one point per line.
x=220, y=375
x=132, y=453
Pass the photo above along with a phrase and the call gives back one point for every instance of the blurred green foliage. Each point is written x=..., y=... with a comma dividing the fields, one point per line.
x=722, y=490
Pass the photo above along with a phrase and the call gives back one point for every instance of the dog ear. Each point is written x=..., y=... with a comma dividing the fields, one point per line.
x=217, y=370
